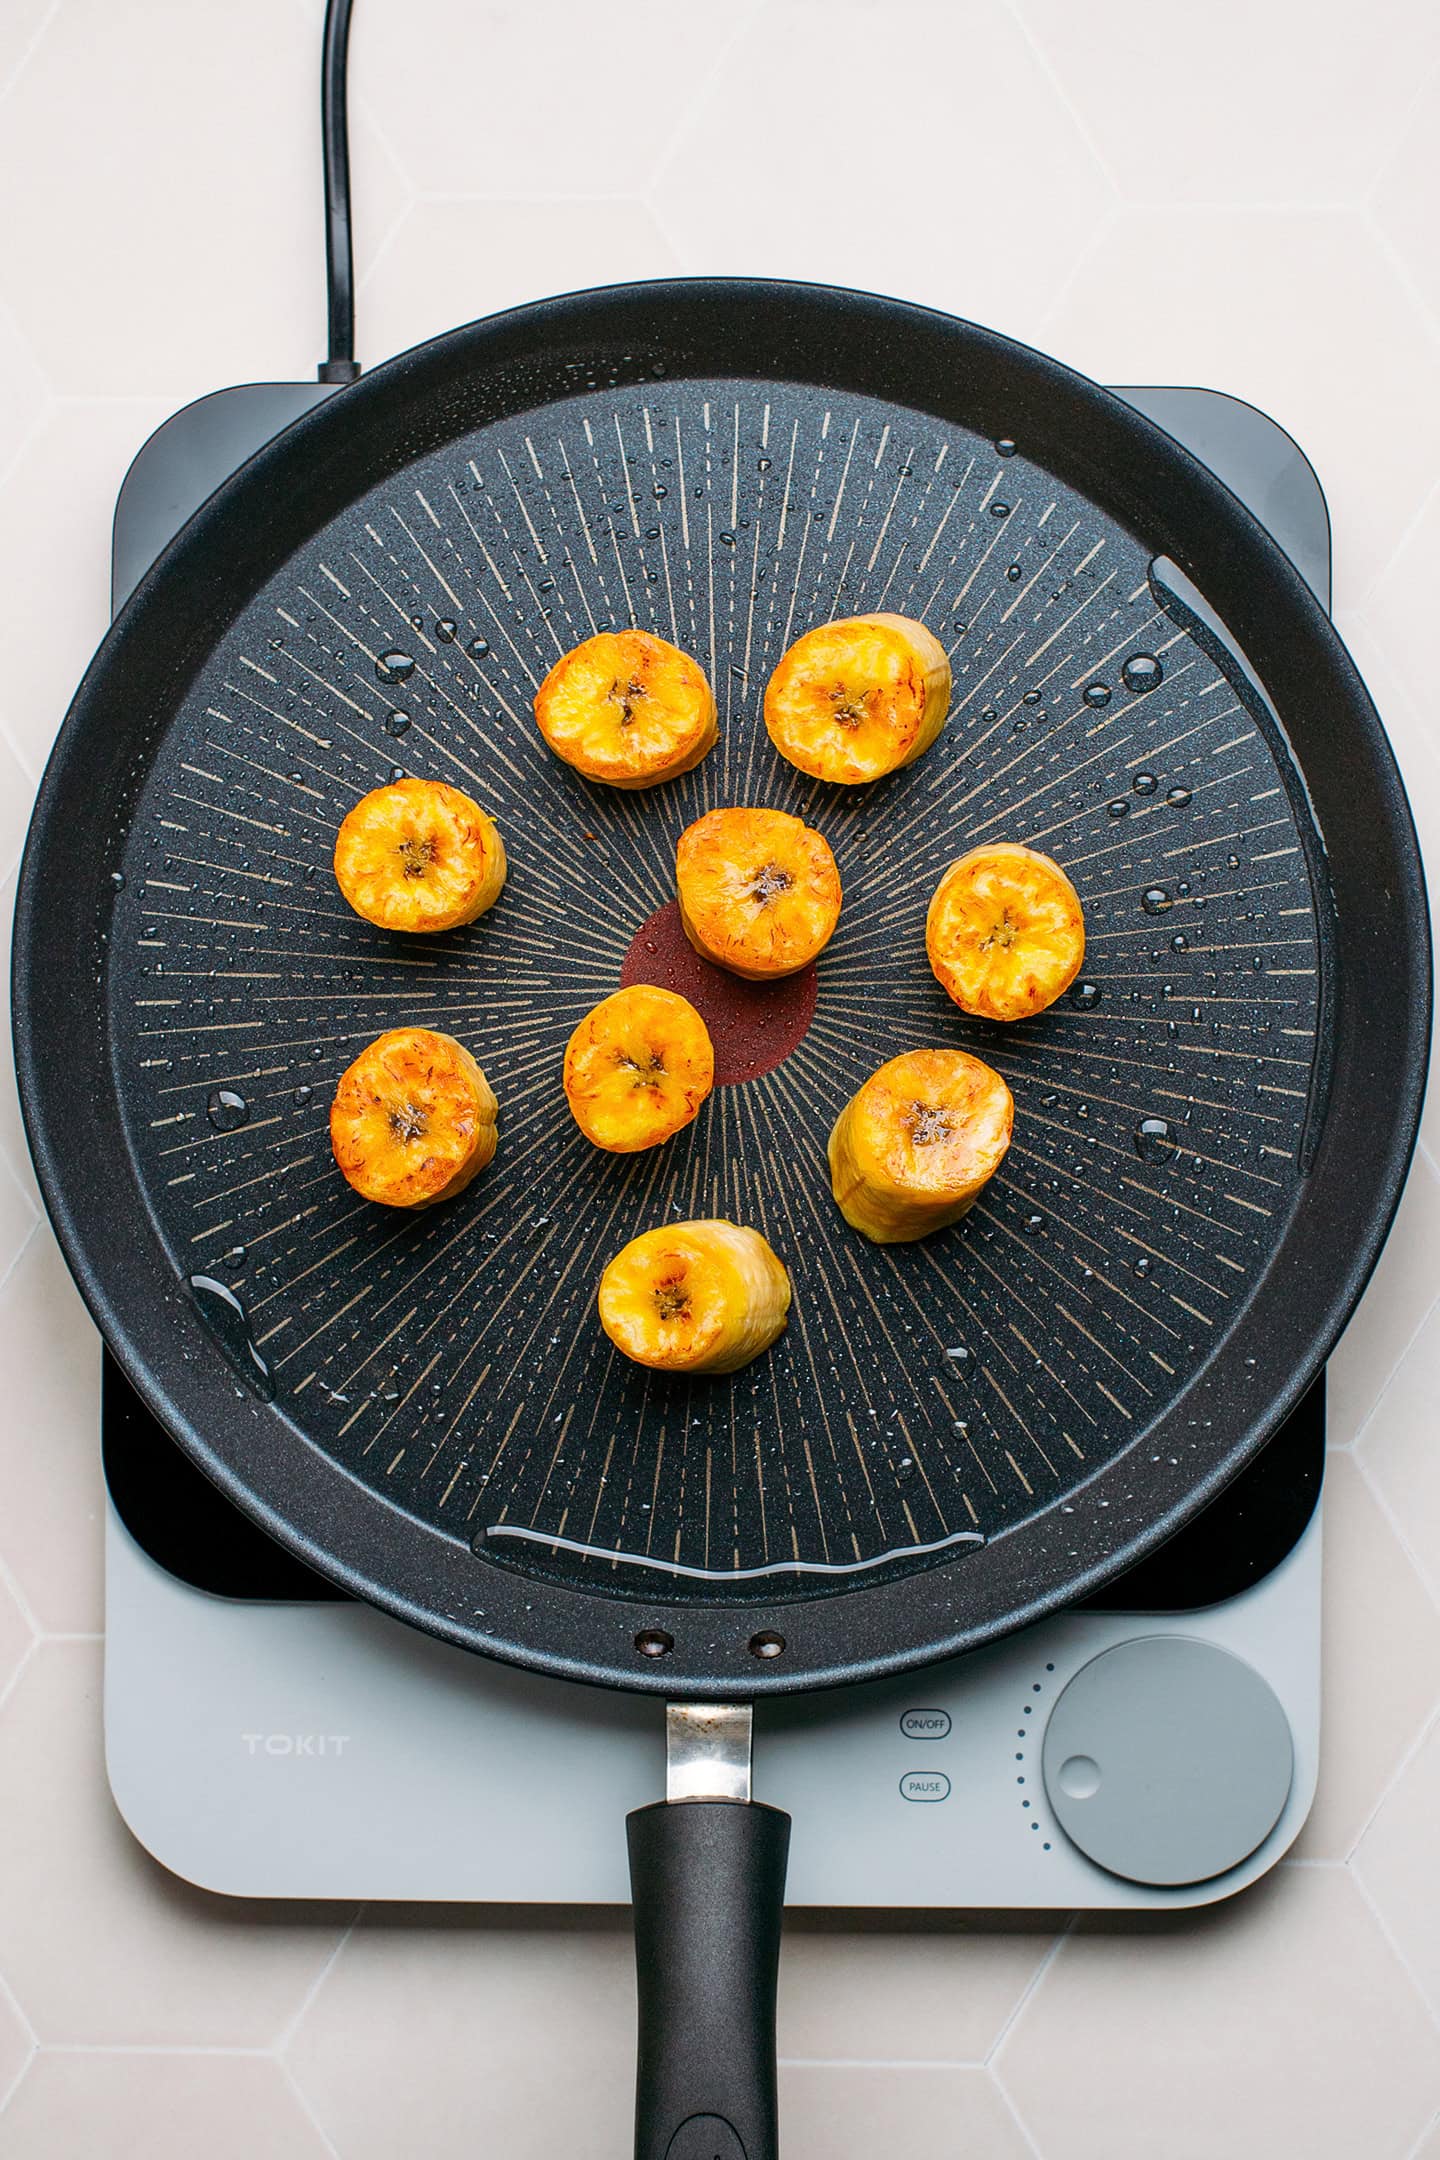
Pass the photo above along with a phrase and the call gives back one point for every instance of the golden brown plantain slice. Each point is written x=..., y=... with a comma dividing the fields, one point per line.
x=856, y=699
x=419, y=855
x=628, y=709
x=759, y=891
x=1005, y=932
x=915, y=1147
x=695, y=1297
x=413, y=1120
x=638, y=1068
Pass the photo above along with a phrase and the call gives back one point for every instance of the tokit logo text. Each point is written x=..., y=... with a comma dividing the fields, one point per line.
x=301, y=1743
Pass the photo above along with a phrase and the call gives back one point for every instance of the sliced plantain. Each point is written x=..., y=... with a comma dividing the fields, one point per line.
x=419, y=855
x=627, y=709
x=915, y=1147
x=638, y=1068
x=759, y=892
x=1005, y=932
x=695, y=1297
x=854, y=700
x=413, y=1120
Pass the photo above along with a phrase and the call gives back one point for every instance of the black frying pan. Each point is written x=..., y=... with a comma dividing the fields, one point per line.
x=952, y=1438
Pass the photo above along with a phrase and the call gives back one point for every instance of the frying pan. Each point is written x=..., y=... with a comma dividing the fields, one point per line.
x=952, y=1438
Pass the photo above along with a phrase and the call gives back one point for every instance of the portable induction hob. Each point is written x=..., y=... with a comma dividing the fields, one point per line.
x=267, y=1737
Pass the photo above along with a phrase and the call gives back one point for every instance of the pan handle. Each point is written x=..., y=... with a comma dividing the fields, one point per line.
x=708, y=1881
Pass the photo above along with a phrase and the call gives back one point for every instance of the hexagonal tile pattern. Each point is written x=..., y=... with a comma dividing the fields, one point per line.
x=1296, y=310
x=425, y=2027
x=1397, y=1863
x=780, y=172
x=1380, y=1662
x=1398, y=1454
x=1397, y=603
x=934, y=1992
x=56, y=505
x=1403, y=203
x=17, y=1219
x=101, y=1946
x=1279, y=2023
x=15, y=1637
x=25, y=393
x=580, y=102
x=855, y=2112
x=51, y=1526
x=1401, y=1292
x=16, y=792
x=194, y=265
x=20, y=25
x=1236, y=107
x=157, y=2107
x=448, y=262
x=16, y=2048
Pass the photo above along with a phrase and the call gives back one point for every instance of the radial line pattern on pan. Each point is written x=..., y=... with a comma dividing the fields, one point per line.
x=454, y=1360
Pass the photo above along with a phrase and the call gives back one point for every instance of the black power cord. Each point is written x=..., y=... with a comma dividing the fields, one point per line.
x=341, y=366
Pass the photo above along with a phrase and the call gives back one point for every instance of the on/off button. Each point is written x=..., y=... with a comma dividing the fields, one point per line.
x=924, y=1785
x=925, y=1724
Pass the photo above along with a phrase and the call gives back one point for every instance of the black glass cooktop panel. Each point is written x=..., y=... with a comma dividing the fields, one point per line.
x=187, y=1525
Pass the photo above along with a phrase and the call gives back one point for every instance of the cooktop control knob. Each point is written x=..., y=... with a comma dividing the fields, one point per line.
x=1167, y=1760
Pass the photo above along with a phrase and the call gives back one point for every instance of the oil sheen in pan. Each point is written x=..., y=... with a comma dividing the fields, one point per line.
x=922, y=1394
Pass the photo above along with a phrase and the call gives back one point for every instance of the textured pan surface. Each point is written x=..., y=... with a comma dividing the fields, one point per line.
x=442, y=1379
x=454, y=1358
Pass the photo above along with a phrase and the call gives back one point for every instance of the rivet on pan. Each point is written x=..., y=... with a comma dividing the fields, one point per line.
x=766, y=1645
x=654, y=1642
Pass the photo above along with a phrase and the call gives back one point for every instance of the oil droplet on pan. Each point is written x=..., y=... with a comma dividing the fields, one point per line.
x=1142, y=671
x=1154, y=1140
x=228, y=1321
x=226, y=1110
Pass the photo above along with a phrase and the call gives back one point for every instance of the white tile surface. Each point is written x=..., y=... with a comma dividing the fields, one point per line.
x=1299, y=310
x=56, y=503
x=421, y=2022
x=981, y=209
x=1395, y=1865
x=101, y=1947
x=1280, y=2023
x=25, y=392
x=962, y=1984
x=861, y=2110
x=1264, y=108
x=1381, y=1662
x=135, y=277
x=447, y=262
x=156, y=2107
x=1404, y=194
x=1399, y=1453
x=16, y=1636
x=569, y=101
x=50, y=1526
x=16, y=2048
x=1251, y=202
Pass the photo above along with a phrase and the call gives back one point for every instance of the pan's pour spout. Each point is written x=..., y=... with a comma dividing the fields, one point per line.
x=707, y=1872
